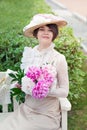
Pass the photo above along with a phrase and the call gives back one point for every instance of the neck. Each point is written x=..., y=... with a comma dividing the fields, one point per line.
x=41, y=46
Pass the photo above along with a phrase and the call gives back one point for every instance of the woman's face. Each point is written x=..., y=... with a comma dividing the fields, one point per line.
x=45, y=35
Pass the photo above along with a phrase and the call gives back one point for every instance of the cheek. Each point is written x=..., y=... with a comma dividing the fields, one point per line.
x=38, y=35
x=51, y=36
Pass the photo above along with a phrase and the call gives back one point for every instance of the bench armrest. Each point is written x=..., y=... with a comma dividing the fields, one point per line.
x=65, y=104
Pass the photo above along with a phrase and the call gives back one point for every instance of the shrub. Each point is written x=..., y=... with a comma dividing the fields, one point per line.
x=11, y=48
x=70, y=46
x=13, y=17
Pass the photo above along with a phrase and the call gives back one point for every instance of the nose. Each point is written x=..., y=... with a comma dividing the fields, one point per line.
x=46, y=32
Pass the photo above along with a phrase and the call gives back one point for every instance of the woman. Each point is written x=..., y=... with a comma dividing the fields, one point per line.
x=46, y=78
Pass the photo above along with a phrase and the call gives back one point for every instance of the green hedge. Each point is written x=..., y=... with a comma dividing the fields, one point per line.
x=14, y=15
x=70, y=46
x=12, y=41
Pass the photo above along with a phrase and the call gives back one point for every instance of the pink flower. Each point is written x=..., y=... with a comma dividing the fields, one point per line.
x=40, y=90
x=43, y=79
x=33, y=73
x=47, y=76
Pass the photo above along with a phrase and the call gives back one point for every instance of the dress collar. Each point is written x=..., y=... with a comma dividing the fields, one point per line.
x=44, y=50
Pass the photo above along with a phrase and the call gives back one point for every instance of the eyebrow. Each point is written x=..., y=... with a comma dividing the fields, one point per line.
x=42, y=27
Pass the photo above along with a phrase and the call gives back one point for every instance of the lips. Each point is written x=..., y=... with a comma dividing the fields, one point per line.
x=46, y=37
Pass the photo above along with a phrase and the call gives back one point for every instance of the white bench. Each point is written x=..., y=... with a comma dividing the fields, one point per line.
x=5, y=82
x=65, y=106
x=5, y=112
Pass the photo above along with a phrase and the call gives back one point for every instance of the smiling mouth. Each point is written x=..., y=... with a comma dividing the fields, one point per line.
x=45, y=37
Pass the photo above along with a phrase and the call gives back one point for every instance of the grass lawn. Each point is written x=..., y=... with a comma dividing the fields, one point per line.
x=14, y=15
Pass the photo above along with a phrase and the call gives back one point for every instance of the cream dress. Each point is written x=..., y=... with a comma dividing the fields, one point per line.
x=44, y=114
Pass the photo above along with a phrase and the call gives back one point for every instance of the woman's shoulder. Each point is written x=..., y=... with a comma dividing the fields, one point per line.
x=58, y=54
x=26, y=57
x=26, y=53
x=60, y=58
x=27, y=49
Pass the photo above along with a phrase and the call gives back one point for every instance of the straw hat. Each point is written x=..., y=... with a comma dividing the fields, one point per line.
x=41, y=20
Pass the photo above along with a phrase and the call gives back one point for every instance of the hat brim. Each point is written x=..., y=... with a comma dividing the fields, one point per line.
x=29, y=31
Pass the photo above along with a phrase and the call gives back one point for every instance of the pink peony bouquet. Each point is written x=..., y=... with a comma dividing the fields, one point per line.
x=43, y=79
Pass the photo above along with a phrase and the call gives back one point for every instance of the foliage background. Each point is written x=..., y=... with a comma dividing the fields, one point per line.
x=14, y=15
x=12, y=41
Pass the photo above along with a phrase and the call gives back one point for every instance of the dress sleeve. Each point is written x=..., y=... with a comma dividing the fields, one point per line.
x=62, y=76
x=25, y=62
x=25, y=58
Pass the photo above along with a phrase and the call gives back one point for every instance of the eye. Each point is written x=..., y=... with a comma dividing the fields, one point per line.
x=50, y=30
x=41, y=29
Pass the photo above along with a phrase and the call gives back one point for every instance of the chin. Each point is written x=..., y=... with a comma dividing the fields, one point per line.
x=46, y=41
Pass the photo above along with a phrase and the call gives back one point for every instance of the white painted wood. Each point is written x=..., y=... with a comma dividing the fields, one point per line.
x=65, y=106
x=5, y=108
x=5, y=112
x=15, y=103
x=64, y=120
